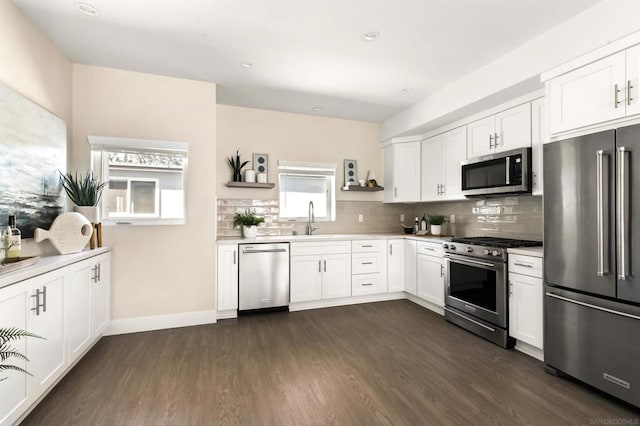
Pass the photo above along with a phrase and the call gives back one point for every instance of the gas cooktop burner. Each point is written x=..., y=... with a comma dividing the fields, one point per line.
x=497, y=242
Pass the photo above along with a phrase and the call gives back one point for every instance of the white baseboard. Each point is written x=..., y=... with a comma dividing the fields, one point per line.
x=302, y=306
x=226, y=314
x=527, y=349
x=160, y=322
x=425, y=304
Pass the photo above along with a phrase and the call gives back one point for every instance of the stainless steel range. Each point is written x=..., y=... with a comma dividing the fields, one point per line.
x=476, y=285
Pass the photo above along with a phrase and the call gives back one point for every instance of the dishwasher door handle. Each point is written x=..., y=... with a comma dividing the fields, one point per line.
x=264, y=251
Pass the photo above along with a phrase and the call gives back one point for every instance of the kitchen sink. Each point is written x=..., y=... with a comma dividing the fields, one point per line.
x=14, y=263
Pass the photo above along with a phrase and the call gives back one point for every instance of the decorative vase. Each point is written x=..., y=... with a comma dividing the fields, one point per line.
x=237, y=176
x=92, y=213
x=249, y=231
x=250, y=176
x=436, y=229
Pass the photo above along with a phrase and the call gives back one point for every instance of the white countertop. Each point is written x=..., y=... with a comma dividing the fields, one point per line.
x=326, y=237
x=527, y=251
x=47, y=264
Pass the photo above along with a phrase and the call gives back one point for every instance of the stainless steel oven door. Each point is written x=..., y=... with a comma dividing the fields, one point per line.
x=477, y=287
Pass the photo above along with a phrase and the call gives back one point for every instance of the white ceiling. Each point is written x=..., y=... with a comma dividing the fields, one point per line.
x=306, y=53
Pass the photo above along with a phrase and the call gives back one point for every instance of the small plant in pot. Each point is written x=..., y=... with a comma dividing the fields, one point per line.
x=236, y=166
x=249, y=223
x=85, y=192
x=435, y=223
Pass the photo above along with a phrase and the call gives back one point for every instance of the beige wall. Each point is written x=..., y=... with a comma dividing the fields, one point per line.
x=295, y=137
x=156, y=270
x=32, y=65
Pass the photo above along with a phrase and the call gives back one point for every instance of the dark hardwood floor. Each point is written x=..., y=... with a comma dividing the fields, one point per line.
x=380, y=363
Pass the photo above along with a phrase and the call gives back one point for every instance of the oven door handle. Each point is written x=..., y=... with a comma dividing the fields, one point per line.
x=470, y=262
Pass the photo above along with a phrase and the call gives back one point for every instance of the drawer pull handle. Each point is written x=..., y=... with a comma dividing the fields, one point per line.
x=429, y=249
x=367, y=263
x=524, y=265
x=367, y=246
x=366, y=284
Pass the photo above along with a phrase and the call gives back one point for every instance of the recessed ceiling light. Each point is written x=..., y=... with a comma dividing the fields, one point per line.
x=317, y=108
x=246, y=64
x=370, y=35
x=87, y=9
x=406, y=90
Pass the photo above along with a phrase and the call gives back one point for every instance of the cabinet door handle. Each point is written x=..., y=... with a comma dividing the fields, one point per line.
x=616, y=102
x=39, y=305
x=234, y=257
x=442, y=192
x=319, y=265
x=629, y=87
x=395, y=191
x=510, y=288
x=325, y=266
x=495, y=140
x=95, y=273
x=442, y=270
x=490, y=141
x=99, y=272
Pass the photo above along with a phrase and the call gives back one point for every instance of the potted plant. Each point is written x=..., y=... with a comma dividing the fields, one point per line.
x=435, y=223
x=7, y=335
x=236, y=166
x=85, y=192
x=249, y=222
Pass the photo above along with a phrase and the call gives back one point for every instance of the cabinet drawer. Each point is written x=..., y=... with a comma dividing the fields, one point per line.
x=365, y=246
x=366, y=263
x=431, y=249
x=525, y=265
x=320, y=248
x=368, y=284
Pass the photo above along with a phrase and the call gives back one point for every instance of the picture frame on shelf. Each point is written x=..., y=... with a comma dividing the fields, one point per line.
x=350, y=172
x=261, y=163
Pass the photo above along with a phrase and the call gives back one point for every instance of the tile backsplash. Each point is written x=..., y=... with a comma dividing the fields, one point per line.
x=511, y=217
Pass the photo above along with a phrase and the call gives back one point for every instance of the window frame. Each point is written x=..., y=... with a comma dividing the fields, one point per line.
x=325, y=170
x=156, y=198
x=102, y=145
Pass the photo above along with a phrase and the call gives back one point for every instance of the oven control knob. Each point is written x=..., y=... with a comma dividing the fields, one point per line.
x=445, y=246
x=452, y=247
x=469, y=249
x=486, y=252
x=495, y=252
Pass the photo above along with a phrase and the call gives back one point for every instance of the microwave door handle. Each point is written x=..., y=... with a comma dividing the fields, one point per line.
x=508, y=177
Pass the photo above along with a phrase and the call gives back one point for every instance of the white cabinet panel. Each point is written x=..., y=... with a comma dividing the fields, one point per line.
x=227, y=277
x=454, y=151
x=410, y=266
x=367, y=246
x=525, y=309
x=431, y=279
x=336, y=276
x=306, y=278
x=13, y=385
x=402, y=172
x=480, y=135
x=539, y=136
x=513, y=128
x=632, y=85
x=587, y=95
x=101, y=296
x=47, y=357
x=368, y=284
x=77, y=300
x=431, y=180
x=395, y=265
x=367, y=263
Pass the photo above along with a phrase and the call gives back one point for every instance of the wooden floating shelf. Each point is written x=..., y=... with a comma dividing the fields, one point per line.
x=251, y=185
x=363, y=188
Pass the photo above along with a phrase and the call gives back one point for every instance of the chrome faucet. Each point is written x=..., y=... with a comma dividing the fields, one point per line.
x=311, y=219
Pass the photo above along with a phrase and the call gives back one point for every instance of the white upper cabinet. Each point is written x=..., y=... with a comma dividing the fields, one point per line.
x=588, y=95
x=632, y=86
x=402, y=172
x=441, y=158
x=503, y=131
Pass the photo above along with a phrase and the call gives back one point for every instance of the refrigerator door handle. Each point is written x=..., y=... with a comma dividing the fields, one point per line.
x=623, y=212
x=602, y=201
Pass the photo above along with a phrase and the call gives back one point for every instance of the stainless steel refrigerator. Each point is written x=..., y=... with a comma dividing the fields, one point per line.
x=592, y=260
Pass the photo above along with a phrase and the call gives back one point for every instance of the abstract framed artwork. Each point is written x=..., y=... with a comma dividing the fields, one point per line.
x=34, y=147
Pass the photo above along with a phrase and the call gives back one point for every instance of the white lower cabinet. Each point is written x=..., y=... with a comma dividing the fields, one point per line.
x=395, y=265
x=227, y=275
x=525, y=299
x=69, y=308
x=430, y=274
x=320, y=271
x=410, y=266
x=369, y=267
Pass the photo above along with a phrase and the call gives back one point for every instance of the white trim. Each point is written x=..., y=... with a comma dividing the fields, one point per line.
x=306, y=166
x=228, y=313
x=100, y=142
x=426, y=304
x=595, y=128
x=343, y=301
x=595, y=55
x=530, y=350
x=161, y=322
x=401, y=139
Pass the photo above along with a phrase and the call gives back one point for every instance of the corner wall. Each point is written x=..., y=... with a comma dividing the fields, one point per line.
x=156, y=270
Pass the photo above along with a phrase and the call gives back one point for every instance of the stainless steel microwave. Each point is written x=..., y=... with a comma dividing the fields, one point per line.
x=506, y=172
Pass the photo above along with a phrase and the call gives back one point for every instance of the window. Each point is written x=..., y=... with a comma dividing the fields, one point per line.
x=146, y=179
x=301, y=183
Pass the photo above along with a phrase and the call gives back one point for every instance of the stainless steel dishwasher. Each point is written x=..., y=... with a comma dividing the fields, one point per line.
x=263, y=276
